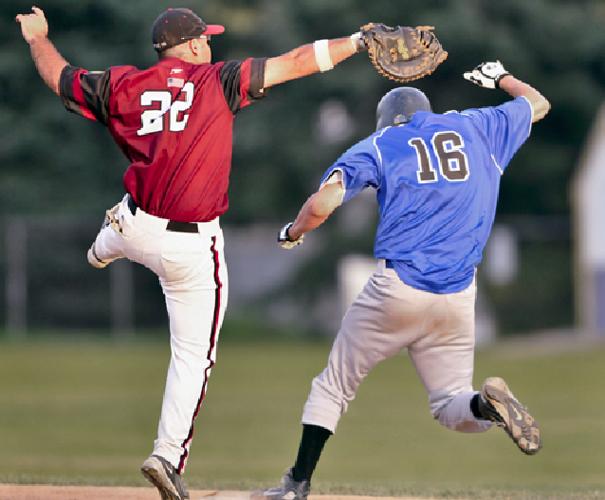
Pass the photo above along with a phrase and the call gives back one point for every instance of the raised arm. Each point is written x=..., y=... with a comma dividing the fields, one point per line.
x=515, y=88
x=492, y=75
x=49, y=62
x=321, y=55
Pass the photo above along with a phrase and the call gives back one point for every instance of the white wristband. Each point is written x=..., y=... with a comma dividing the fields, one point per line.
x=322, y=55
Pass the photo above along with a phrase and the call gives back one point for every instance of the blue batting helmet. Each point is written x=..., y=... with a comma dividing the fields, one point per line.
x=398, y=105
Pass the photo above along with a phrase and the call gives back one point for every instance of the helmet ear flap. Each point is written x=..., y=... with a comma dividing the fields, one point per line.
x=399, y=119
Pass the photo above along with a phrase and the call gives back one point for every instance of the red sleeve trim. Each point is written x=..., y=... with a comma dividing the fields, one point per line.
x=78, y=94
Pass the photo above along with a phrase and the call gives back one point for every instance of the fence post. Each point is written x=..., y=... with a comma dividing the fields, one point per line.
x=16, y=276
x=121, y=291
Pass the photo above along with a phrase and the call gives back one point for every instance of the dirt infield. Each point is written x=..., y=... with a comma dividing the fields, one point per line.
x=47, y=492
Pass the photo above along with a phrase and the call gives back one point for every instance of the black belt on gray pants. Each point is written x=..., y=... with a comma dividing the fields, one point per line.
x=173, y=225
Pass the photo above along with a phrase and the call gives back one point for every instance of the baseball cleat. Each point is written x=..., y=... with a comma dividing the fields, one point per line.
x=159, y=472
x=499, y=405
x=288, y=490
x=94, y=260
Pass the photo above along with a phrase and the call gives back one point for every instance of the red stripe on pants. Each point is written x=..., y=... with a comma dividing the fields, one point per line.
x=213, y=334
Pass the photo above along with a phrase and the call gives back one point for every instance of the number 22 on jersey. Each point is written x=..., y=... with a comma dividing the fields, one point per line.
x=448, y=148
x=166, y=113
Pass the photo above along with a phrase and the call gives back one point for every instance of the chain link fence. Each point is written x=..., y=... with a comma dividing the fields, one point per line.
x=525, y=281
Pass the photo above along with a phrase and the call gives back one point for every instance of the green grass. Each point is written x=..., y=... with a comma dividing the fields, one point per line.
x=87, y=413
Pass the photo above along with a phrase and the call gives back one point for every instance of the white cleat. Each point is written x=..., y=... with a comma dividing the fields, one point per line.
x=94, y=260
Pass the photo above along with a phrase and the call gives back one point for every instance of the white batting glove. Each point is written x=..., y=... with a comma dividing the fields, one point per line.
x=487, y=74
x=283, y=238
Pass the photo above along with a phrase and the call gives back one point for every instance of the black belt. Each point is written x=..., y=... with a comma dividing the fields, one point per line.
x=173, y=225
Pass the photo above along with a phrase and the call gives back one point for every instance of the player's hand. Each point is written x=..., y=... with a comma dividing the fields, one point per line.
x=283, y=238
x=487, y=74
x=33, y=26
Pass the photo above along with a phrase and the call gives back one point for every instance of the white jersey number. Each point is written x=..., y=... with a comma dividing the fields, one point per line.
x=448, y=147
x=152, y=120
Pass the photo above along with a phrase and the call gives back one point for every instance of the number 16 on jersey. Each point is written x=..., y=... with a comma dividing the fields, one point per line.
x=448, y=148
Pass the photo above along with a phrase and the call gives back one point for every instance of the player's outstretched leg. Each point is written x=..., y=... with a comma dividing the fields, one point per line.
x=165, y=478
x=498, y=404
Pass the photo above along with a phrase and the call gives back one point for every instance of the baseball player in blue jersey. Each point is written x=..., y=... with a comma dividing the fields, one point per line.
x=436, y=178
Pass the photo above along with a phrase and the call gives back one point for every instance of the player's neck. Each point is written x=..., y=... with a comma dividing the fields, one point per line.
x=188, y=58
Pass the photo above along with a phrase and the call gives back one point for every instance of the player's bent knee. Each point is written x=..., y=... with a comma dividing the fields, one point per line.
x=325, y=405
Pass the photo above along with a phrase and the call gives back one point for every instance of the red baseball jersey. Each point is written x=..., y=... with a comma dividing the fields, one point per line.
x=174, y=122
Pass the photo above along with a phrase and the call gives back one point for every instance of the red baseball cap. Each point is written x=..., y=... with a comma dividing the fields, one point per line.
x=175, y=26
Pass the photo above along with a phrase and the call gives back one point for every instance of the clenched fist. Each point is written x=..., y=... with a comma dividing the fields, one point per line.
x=33, y=26
x=284, y=240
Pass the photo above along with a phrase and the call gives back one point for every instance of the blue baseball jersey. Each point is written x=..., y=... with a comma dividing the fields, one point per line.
x=437, y=180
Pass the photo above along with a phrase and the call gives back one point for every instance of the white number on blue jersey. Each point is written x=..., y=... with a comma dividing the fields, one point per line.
x=152, y=120
x=448, y=147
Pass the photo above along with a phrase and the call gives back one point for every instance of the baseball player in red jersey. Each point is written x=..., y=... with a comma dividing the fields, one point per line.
x=174, y=121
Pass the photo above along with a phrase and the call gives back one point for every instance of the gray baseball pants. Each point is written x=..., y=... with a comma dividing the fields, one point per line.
x=438, y=331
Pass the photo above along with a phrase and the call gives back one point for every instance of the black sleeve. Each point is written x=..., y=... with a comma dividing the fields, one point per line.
x=243, y=82
x=86, y=93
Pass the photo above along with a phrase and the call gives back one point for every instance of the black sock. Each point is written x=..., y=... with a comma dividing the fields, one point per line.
x=311, y=445
x=475, y=407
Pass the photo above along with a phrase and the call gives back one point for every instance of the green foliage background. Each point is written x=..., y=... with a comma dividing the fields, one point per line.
x=53, y=163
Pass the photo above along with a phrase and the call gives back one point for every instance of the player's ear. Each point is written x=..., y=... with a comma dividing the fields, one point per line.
x=193, y=47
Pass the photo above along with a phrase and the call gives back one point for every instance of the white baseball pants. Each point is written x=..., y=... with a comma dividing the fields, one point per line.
x=437, y=329
x=193, y=275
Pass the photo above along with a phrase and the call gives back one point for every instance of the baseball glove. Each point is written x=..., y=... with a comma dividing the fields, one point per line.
x=402, y=53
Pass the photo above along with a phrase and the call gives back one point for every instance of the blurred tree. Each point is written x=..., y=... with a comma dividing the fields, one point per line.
x=52, y=162
x=55, y=163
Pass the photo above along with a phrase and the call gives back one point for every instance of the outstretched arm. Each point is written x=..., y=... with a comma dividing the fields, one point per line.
x=49, y=62
x=321, y=55
x=85, y=93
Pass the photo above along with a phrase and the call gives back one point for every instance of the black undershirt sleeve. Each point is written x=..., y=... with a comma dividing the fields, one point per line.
x=86, y=93
x=257, y=79
x=231, y=80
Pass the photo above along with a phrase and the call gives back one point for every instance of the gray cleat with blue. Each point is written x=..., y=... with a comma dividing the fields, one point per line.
x=288, y=490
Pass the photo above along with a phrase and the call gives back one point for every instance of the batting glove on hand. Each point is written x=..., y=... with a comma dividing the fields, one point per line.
x=487, y=74
x=283, y=238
